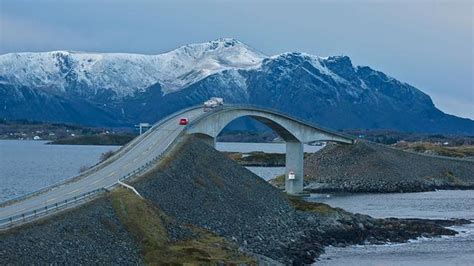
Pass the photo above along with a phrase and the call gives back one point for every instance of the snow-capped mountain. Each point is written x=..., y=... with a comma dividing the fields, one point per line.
x=123, y=89
x=125, y=74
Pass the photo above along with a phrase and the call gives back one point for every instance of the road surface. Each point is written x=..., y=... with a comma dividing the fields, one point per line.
x=143, y=151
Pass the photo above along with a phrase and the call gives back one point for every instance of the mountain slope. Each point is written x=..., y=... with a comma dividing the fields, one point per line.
x=86, y=74
x=333, y=93
x=122, y=89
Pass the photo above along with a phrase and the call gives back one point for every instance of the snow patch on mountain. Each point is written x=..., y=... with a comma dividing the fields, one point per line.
x=90, y=74
x=191, y=63
x=126, y=73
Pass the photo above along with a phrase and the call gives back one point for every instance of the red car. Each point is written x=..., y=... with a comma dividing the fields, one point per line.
x=183, y=121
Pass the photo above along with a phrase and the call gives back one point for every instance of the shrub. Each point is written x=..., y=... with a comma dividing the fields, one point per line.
x=106, y=155
x=83, y=168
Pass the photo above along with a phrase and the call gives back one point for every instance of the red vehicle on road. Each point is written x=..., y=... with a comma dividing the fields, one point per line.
x=183, y=121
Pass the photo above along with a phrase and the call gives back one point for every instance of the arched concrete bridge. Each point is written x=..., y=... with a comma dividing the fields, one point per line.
x=293, y=131
x=143, y=152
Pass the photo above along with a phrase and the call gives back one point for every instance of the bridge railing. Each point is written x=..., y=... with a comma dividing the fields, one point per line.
x=276, y=112
x=99, y=165
x=40, y=212
x=74, y=201
x=137, y=140
x=37, y=213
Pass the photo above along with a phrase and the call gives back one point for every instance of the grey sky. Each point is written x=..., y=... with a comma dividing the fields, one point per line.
x=428, y=44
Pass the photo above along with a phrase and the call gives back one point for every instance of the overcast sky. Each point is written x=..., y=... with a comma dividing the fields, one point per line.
x=428, y=44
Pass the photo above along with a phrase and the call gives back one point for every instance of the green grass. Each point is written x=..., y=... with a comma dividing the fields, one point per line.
x=458, y=151
x=278, y=181
x=145, y=222
x=452, y=179
x=317, y=207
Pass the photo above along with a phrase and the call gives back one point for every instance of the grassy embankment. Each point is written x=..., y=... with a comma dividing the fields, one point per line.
x=427, y=147
x=320, y=208
x=145, y=222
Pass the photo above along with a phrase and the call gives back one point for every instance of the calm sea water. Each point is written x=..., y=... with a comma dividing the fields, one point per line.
x=264, y=172
x=26, y=166
x=444, y=204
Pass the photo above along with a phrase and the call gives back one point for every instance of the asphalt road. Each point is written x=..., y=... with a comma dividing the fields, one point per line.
x=145, y=149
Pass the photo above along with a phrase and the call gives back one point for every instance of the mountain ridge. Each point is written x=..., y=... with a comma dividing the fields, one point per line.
x=330, y=91
x=173, y=70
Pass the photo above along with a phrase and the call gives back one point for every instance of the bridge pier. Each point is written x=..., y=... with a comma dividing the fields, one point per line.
x=294, y=164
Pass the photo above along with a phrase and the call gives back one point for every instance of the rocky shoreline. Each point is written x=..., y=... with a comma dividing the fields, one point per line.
x=201, y=206
x=258, y=158
x=374, y=168
x=367, y=167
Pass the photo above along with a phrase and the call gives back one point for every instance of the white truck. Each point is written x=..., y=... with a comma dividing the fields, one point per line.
x=213, y=103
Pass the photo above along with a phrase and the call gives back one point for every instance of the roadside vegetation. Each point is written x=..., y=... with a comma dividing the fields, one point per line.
x=390, y=137
x=146, y=222
x=278, y=181
x=83, y=168
x=320, y=208
x=106, y=155
x=437, y=149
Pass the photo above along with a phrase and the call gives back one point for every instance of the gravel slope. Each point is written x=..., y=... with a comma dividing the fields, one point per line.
x=369, y=167
x=201, y=187
x=91, y=234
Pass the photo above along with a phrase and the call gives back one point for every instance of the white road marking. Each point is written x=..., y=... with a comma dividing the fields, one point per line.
x=22, y=209
x=50, y=199
x=72, y=191
x=98, y=180
x=153, y=143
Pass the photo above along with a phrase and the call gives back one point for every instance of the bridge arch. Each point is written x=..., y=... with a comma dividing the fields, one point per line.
x=295, y=133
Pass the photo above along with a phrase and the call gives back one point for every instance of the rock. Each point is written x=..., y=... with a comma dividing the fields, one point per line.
x=370, y=167
x=77, y=236
x=199, y=186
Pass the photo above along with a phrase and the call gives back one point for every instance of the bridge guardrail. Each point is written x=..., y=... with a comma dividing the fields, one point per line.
x=277, y=112
x=40, y=212
x=100, y=165
x=135, y=141
x=73, y=201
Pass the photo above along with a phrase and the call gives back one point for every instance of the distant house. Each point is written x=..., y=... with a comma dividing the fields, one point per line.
x=36, y=138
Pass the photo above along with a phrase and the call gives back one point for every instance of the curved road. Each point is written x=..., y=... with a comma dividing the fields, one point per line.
x=143, y=150
x=138, y=155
